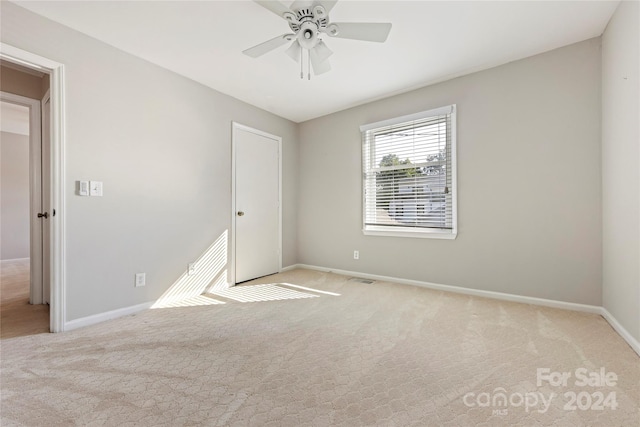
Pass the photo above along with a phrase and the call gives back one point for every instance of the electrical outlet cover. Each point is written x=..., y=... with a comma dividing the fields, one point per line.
x=140, y=279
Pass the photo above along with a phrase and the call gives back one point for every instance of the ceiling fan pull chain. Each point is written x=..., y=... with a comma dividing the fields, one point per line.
x=301, y=65
x=309, y=64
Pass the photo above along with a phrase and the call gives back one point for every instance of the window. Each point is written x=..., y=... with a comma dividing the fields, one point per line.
x=409, y=183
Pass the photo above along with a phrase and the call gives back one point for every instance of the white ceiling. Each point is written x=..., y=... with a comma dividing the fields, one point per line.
x=430, y=41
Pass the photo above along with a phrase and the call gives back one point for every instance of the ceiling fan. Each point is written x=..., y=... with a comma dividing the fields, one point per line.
x=309, y=21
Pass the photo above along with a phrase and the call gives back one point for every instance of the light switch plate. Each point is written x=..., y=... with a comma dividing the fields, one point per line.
x=83, y=188
x=95, y=188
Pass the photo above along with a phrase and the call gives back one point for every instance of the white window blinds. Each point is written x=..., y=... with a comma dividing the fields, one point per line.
x=409, y=176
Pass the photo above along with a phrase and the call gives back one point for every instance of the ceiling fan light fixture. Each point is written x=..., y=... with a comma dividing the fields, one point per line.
x=319, y=66
x=294, y=51
x=322, y=51
x=308, y=35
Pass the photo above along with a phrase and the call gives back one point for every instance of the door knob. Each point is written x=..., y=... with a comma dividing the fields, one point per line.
x=43, y=215
x=240, y=213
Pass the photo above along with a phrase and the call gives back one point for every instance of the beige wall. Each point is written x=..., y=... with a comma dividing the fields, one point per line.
x=161, y=144
x=23, y=84
x=14, y=195
x=621, y=166
x=529, y=196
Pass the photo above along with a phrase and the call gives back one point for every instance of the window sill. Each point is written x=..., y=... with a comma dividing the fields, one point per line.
x=411, y=233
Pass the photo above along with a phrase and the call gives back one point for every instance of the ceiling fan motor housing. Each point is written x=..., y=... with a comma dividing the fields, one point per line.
x=317, y=16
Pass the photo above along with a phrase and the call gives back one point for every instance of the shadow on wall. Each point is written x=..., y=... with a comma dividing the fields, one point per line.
x=210, y=275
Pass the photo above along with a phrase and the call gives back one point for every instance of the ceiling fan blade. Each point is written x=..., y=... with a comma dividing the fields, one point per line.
x=299, y=4
x=366, y=31
x=294, y=51
x=322, y=51
x=328, y=5
x=302, y=4
x=319, y=66
x=268, y=46
x=274, y=6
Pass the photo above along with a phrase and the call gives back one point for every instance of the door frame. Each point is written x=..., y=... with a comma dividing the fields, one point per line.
x=35, y=192
x=57, y=304
x=46, y=202
x=235, y=127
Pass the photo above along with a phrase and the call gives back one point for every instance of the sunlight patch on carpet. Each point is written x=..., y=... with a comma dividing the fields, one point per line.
x=333, y=294
x=189, y=302
x=257, y=293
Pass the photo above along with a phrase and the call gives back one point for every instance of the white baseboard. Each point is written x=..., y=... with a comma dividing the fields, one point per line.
x=460, y=290
x=108, y=315
x=635, y=345
x=15, y=259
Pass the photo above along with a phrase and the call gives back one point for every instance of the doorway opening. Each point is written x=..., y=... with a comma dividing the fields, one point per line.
x=22, y=251
x=35, y=83
x=23, y=300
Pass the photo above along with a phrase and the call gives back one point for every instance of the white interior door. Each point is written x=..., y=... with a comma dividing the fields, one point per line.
x=257, y=203
x=35, y=192
x=46, y=199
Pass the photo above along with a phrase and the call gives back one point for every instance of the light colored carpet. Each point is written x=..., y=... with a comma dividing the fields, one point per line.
x=354, y=354
x=18, y=317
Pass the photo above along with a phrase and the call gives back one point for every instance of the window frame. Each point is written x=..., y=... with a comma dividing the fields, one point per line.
x=413, y=232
